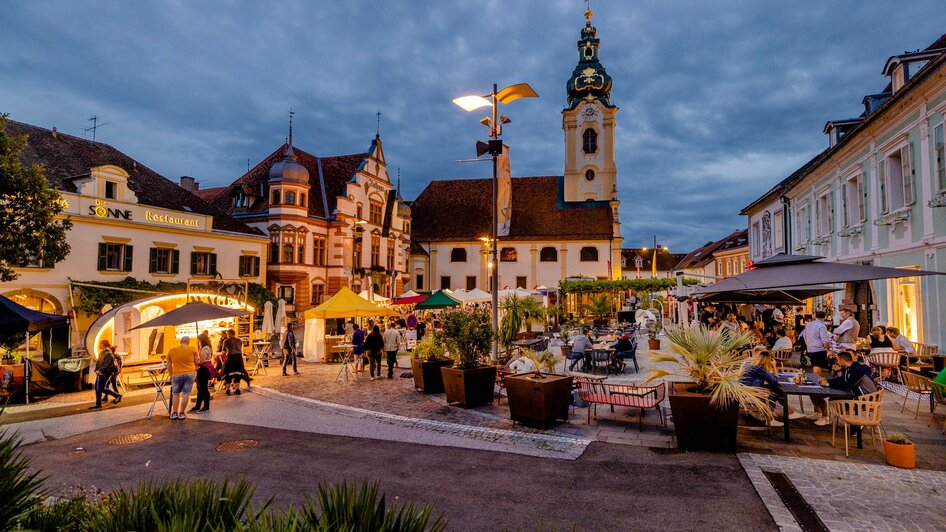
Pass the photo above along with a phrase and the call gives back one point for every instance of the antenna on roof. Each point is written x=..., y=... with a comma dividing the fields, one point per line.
x=247, y=164
x=95, y=126
x=398, y=180
x=378, y=131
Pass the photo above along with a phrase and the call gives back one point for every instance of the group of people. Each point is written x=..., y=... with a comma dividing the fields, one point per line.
x=582, y=347
x=370, y=346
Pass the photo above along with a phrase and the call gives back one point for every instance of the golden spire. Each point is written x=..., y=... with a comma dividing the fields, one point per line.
x=588, y=12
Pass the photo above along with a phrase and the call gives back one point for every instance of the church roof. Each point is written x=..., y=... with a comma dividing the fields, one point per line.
x=461, y=209
x=65, y=156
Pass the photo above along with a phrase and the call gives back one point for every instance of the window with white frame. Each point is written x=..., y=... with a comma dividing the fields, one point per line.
x=823, y=214
x=778, y=236
x=898, y=170
x=756, y=240
x=882, y=185
x=939, y=151
x=852, y=200
x=802, y=223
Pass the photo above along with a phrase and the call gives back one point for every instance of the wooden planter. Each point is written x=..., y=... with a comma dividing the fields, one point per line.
x=900, y=454
x=538, y=402
x=653, y=344
x=427, y=376
x=700, y=426
x=469, y=387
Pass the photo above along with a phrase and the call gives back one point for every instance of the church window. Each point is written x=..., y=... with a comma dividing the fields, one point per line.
x=590, y=141
x=548, y=254
x=508, y=255
x=458, y=255
x=588, y=254
x=590, y=175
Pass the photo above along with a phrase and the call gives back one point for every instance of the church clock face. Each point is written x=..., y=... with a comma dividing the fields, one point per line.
x=590, y=112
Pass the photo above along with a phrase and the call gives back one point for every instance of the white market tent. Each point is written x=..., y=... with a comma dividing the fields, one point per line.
x=409, y=293
x=472, y=296
x=374, y=297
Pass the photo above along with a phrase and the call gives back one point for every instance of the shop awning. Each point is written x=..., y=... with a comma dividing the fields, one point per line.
x=15, y=318
x=347, y=304
x=192, y=313
x=439, y=299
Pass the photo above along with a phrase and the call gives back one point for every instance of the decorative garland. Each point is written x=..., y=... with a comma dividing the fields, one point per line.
x=649, y=284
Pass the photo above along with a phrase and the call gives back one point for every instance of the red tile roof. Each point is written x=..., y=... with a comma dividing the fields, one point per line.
x=665, y=261
x=64, y=156
x=461, y=209
x=704, y=255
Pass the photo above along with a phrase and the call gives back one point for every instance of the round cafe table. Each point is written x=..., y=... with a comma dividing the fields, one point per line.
x=159, y=379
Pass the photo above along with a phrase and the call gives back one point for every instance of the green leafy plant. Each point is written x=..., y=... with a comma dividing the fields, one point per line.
x=469, y=335
x=600, y=306
x=73, y=512
x=430, y=348
x=652, y=328
x=713, y=362
x=518, y=312
x=20, y=490
x=610, y=286
x=898, y=438
x=91, y=299
x=544, y=361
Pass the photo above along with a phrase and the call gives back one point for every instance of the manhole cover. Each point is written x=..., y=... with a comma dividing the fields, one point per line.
x=130, y=438
x=236, y=445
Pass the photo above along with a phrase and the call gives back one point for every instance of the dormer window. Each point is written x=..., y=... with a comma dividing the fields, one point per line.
x=239, y=201
x=111, y=190
x=590, y=141
x=276, y=196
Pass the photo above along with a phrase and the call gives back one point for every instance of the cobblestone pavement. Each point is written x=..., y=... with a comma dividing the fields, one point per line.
x=853, y=497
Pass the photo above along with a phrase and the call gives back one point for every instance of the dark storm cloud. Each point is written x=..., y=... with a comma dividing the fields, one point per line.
x=719, y=100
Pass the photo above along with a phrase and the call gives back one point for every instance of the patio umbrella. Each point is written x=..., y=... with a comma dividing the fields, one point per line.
x=280, y=313
x=789, y=296
x=268, y=326
x=793, y=271
x=192, y=313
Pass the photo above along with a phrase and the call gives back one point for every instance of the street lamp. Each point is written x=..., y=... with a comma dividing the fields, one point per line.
x=494, y=124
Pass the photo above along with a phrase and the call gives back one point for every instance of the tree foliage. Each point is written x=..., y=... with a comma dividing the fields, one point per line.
x=469, y=334
x=602, y=286
x=28, y=211
x=91, y=299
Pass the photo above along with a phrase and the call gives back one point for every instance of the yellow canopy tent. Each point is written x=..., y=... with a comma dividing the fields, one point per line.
x=344, y=304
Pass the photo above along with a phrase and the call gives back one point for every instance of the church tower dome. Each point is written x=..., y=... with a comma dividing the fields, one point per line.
x=589, y=81
x=288, y=168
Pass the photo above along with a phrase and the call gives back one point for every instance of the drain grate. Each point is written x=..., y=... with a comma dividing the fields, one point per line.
x=807, y=519
x=236, y=446
x=130, y=438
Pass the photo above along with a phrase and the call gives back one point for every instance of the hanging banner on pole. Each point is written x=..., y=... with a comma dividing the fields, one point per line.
x=504, y=201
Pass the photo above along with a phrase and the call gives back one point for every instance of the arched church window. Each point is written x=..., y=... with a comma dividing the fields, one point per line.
x=588, y=254
x=458, y=255
x=590, y=141
x=548, y=254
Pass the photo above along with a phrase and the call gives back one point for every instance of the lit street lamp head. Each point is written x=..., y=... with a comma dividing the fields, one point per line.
x=472, y=103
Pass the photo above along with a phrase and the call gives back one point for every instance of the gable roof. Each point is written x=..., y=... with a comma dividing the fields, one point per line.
x=461, y=209
x=65, y=156
x=704, y=255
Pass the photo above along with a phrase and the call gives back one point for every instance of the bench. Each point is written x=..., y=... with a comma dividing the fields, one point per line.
x=628, y=395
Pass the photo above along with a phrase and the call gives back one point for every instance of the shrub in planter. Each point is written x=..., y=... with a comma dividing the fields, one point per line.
x=428, y=357
x=537, y=398
x=518, y=313
x=20, y=489
x=469, y=336
x=705, y=410
x=899, y=451
x=652, y=328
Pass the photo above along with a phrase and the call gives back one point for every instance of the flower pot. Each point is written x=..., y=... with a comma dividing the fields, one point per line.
x=538, y=402
x=900, y=454
x=653, y=344
x=469, y=387
x=699, y=426
x=427, y=377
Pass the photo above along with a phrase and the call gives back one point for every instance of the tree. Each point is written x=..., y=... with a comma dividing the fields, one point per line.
x=28, y=212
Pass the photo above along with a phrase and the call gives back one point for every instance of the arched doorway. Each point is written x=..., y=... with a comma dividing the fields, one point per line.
x=35, y=300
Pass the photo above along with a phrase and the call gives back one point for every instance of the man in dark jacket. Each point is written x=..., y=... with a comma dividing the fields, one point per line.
x=854, y=377
x=374, y=345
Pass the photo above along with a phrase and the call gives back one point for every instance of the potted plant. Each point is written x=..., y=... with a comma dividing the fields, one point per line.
x=706, y=409
x=428, y=357
x=900, y=451
x=600, y=307
x=518, y=313
x=652, y=328
x=542, y=397
x=469, y=336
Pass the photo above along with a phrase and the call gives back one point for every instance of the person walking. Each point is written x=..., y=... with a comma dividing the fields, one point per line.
x=374, y=344
x=104, y=371
x=205, y=371
x=182, y=367
x=358, y=348
x=289, y=351
x=392, y=343
x=233, y=369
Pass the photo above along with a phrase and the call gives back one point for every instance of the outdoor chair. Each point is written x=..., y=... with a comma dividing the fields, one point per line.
x=919, y=385
x=782, y=358
x=629, y=355
x=923, y=358
x=889, y=360
x=600, y=358
x=864, y=412
x=938, y=397
x=629, y=395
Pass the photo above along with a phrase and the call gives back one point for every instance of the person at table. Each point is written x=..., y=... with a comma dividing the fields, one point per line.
x=782, y=341
x=847, y=332
x=234, y=369
x=358, y=348
x=182, y=367
x=581, y=350
x=817, y=339
x=104, y=371
x=730, y=326
x=289, y=351
x=852, y=377
x=759, y=372
x=374, y=345
x=393, y=341
x=900, y=343
x=879, y=338
x=205, y=371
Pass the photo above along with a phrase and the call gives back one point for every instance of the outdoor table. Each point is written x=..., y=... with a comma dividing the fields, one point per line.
x=159, y=379
x=787, y=387
x=347, y=359
x=532, y=343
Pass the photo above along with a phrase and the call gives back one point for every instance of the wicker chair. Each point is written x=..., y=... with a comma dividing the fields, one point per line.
x=919, y=385
x=862, y=412
x=782, y=358
x=938, y=397
x=886, y=360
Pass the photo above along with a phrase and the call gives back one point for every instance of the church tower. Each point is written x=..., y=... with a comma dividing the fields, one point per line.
x=588, y=121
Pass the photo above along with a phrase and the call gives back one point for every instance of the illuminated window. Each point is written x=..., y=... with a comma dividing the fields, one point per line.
x=508, y=255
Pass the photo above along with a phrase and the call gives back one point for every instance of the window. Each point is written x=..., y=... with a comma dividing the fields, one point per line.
x=290, y=198
x=239, y=200
x=374, y=213
x=939, y=149
x=419, y=281
x=823, y=212
x=548, y=254
x=164, y=260
x=407, y=227
x=375, y=251
x=470, y=282
x=300, y=253
x=521, y=281
x=882, y=184
x=390, y=255
x=318, y=251
x=802, y=224
x=508, y=255
x=777, y=230
x=302, y=199
x=590, y=175
x=589, y=141
x=274, y=253
x=852, y=201
x=203, y=263
x=457, y=255
x=288, y=253
x=359, y=212
x=249, y=266
x=287, y=293
x=111, y=190
x=318, y=293
x=588, y=254
x=275, y=197
x=899, y=179
x=756, y=240
x=114, y=257
x=742, y=265
x=444, y=282
x=356, y=254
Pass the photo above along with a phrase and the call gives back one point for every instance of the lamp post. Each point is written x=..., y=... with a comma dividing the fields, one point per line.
x=495, y=148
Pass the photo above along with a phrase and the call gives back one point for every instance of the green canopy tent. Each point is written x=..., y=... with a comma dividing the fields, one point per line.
x=438, y=300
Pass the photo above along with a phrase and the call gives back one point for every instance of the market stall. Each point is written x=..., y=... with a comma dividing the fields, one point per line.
x=17, y=321
x=344, y=304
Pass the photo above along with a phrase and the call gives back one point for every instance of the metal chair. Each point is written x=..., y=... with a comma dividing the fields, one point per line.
x=938, y=397
x=889, y=360
x=864, y=412
x=919, y=385
x=600, y=357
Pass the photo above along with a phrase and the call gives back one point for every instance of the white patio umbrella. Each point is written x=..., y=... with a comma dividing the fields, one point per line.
x=268, y=326
x=281, y=320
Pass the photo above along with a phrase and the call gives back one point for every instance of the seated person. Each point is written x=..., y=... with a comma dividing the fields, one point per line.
x=782, y=342
x=879, y=339
x=901, y=344
x=581, y=350
x=625, y=345
x=852, y=377
x=758, y=372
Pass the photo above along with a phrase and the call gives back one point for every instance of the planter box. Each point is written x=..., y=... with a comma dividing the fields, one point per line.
x=700, y=426
x=538, y=402
x=653, y=344
x=427, y=376
x=469, y=387
x=900, y=454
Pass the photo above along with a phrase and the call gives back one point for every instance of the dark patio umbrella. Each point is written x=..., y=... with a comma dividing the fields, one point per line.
x=793, y=271
x=788, y=296
x=192, y=313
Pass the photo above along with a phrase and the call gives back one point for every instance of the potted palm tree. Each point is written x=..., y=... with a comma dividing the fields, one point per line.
x=518, y=313
x=469, y=336
x=542, y=397
x=600, y=307
x=706, y=408
x=899, y=451
x=652, y=328
x=429, y=355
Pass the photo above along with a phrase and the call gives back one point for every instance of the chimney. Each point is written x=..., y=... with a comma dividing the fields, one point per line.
x=189, y=183
x=55, y=133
